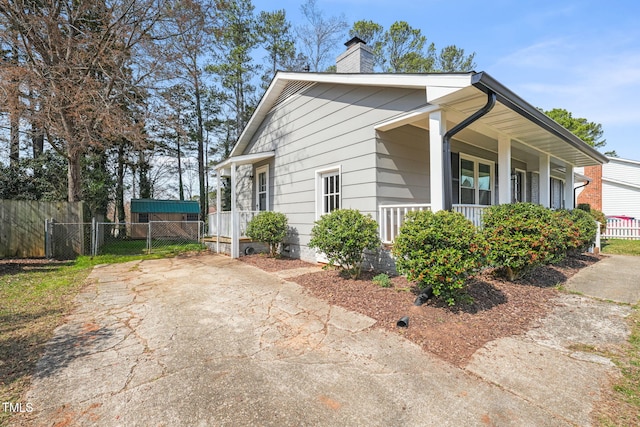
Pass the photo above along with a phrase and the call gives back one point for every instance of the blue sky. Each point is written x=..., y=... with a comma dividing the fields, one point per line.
x=583, y=56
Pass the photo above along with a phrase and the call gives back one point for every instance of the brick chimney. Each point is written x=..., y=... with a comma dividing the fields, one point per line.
x=358, y=58
x=592, y=193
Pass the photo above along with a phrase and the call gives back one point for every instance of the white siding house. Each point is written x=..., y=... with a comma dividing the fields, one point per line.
x=376, y=143
x=615, y=188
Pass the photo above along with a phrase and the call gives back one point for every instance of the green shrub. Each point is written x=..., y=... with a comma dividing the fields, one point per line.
x=569, y=234
x=522, y=236
x=584, y=207
x=268, y=227
x=599, y=216
x=382, y=280
x=439, y=250
x=587, y=228
x=343, y=235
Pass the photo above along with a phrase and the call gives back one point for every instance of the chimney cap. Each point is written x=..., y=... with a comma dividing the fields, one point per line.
x=353, y=41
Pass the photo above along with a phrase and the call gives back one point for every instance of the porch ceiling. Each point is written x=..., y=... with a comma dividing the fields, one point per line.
x=502, y=119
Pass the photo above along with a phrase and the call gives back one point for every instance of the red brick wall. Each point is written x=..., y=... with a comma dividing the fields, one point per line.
x=592, y=193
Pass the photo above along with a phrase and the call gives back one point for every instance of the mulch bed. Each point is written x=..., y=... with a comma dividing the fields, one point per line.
x=500, y=308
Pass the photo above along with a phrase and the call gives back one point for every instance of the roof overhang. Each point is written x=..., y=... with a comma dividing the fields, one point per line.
x=460, y=95
x=246, y=159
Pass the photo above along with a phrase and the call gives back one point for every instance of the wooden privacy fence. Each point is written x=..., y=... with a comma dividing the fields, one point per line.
x=22, y=233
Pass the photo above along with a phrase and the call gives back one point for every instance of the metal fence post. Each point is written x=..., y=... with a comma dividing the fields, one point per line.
x=149, y=238
x=94, y=240
x=47, y=239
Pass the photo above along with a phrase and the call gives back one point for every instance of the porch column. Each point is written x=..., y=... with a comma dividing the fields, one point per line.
x=504, y=169
x=235, y=227
x=568, y=188
x=218, y=208
x=437, y=129
x=545, y=180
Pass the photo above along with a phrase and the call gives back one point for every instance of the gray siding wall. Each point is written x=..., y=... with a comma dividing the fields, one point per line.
x=326, y=126
x=403, y=166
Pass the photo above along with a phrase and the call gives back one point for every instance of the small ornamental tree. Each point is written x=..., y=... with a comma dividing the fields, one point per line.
x=521, y=236
x=270, y=228
x=343, y=235
x=439, y=250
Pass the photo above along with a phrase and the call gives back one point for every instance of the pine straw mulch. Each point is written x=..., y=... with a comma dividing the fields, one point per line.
x=500, y=308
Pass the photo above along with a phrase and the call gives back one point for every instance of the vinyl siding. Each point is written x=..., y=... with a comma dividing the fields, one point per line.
x=403, y=166
x=617, y=198
x=324, y=127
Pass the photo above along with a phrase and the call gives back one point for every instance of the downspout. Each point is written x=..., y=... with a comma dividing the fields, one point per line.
x=446, y=147
x=575, y=198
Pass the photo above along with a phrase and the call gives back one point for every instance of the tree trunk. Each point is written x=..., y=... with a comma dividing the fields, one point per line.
x=143, y=170
x=74, y=190
x=120, y=185
x=14, y=117
x=180, y=182
x=203, y=193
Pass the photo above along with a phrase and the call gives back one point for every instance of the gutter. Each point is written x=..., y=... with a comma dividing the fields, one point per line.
x=488, y=84
x=575, y=198
x=446, y=147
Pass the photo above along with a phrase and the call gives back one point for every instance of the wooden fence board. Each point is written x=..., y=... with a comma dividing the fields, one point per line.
x=22, y=225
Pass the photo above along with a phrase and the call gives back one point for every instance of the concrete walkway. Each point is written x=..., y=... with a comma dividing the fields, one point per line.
x=614, y=278
x=209, y=341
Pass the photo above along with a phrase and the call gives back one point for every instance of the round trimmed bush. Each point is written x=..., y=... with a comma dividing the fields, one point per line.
x=270, y=228
x=522, y=236
x=587, y=228
x=343, y=235
x=439, y=250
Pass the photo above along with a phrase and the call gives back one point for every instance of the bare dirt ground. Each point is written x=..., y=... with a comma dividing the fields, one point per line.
x=500, y=308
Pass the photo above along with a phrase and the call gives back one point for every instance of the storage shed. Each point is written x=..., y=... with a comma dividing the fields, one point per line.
x=145, y=210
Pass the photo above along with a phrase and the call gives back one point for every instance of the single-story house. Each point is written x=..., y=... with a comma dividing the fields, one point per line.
x=614, y=188
x=144, y=211
x=386, y=144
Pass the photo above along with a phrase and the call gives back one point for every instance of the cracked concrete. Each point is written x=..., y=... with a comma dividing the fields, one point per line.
x=209, y=341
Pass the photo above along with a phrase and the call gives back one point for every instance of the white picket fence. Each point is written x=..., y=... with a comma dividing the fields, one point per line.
x=628, y=229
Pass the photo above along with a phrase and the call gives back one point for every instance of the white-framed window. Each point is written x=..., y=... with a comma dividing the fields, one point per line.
x=328, y=190
x=476, y=180
x=262, y=188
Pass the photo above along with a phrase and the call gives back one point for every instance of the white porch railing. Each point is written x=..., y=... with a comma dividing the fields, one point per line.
x=225, y=223
x=391, y=217
x=472, y=212
x=628, y=229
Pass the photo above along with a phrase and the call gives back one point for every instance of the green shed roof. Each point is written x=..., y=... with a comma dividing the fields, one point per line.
x=164, y=206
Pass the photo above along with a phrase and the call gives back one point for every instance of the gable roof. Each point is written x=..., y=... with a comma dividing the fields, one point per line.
x=460, y=94
x=164, y=206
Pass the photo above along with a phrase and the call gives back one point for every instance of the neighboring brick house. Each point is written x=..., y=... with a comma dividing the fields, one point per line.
x=592, y=193
x=614, y=187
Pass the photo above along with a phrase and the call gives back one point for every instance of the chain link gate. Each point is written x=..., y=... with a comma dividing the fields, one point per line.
x=69, y=240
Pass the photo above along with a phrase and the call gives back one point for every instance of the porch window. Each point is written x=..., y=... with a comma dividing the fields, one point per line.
x=476, y=181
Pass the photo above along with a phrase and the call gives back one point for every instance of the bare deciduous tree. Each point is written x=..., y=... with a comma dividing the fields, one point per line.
x=76, y=61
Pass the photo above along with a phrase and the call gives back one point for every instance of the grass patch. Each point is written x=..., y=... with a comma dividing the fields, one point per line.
x=164, y=247
x=34, y=298
x=621, y=247
x=623, y=403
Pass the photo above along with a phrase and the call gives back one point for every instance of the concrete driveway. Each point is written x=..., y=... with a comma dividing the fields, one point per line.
x=209, y=341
